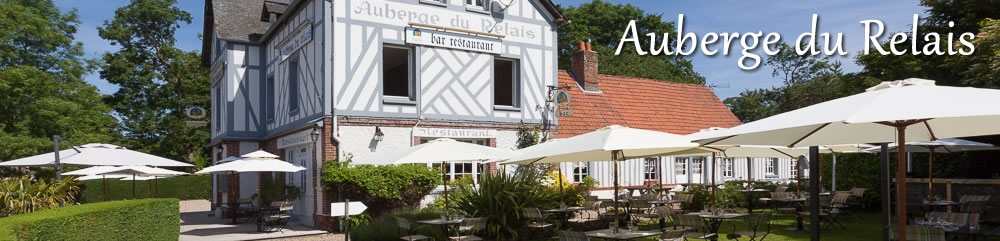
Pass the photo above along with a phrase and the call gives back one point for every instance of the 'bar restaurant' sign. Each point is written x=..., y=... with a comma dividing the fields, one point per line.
x=450, y=40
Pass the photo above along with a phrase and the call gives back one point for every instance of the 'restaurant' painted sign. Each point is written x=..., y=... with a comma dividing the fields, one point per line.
x=299, y=138
x=455, y=133
x=301, y=36
x=429, y=37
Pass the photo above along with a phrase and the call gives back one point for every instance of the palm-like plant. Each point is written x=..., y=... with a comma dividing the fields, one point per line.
x=22, y=195
x=500, y=197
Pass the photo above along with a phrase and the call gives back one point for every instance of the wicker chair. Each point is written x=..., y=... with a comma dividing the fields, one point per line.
x=468, y=229
x=696, y=226
x=278, y=219
x=640, y=209
x=407, y=229
x=920, y=233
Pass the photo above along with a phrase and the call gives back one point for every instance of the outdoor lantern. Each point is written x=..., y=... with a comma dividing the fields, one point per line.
x=378, y=134
x=315, y=134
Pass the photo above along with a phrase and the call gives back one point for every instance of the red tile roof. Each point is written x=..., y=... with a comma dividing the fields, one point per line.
x=642, y=103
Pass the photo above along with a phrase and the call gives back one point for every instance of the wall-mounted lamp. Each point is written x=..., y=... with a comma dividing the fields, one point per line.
x=378, y=134
x=315, y=133
x=221, y=148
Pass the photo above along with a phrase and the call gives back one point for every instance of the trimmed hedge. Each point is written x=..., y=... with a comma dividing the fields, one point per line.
x=147, y=219
x=182, y=187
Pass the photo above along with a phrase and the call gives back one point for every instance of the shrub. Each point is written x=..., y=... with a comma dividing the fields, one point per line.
x=182, y=187
x=381, y=188
x=147, y=219
x=384, y=228
x=22, y=195
x=500, y=197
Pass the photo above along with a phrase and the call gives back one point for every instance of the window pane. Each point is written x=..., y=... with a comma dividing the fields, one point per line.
x=293, y=84
x=503, y=86
x=396, y=72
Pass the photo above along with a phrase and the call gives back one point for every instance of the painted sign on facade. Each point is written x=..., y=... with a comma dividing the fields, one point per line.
x=402, y=13
x=299, y=138
x=455, y=133
x=302, y=36
x=434, y=38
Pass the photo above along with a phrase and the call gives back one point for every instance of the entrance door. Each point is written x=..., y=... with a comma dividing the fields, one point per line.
x=301, y=155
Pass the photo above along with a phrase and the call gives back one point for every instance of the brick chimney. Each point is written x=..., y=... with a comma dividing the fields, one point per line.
x=583, y=66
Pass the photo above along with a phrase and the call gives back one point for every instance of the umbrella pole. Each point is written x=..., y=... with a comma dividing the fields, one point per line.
x=133, y=186
x=930, y=175
x=149, y=189
x=901, y=182
x=445, y=176
x=833, y=175
x=559, y=168
x=713, y=179
x=614, y=163
x=660, y=175
x=156, y=184
x=749, y=171
x=798, y=175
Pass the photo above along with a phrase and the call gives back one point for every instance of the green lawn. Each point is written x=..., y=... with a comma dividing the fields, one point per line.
x=864, y=227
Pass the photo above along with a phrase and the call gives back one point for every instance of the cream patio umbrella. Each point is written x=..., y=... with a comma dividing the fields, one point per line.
x=612, y=143
x=90, y=173
x=441, y=150
x=140, y=171
x=897, y=111
x=257, y=161
x=939, y=146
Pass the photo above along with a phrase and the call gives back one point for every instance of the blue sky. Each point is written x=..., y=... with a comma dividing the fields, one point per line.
x=787, y=17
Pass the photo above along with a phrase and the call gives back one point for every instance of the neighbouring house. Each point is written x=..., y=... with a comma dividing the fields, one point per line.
x=598, y=100
x=370, y=77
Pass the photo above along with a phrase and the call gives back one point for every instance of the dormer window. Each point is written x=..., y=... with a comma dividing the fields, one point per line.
x=476, y=5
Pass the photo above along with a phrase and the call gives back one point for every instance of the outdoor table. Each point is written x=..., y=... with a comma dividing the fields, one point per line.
x=929, y=206
x=715, y=220
x=642, y=190
x=798, y=207
x=622, y=234
x=665, y=202
x=750, y=193
x=442, y=223
x=563, y=211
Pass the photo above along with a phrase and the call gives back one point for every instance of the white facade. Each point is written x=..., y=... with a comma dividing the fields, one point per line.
x=334, y=66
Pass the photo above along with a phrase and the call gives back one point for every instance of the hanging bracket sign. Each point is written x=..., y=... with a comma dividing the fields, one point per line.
x=436, y=38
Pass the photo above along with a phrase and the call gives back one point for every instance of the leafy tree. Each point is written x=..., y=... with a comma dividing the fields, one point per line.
x=42, y=91
x=158, y=81
x=984, y=64
x=604, y=23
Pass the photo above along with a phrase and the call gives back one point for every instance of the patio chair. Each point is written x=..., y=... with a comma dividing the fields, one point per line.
x=672, y=235
x=278, y=219
x=839, y=203
x=696, y=227
x=468, y=229
x=404, y=227
x=592, y=209
x=666, y=214
x=640, y=209
x=760, y=227
x=565, y=235
x=245, y=208
x=966, y=219
x=827, y=213
x=920, y=233
x=788, y=208
x=685, y=198
x=780, y=189
x=856, y=195
x=535, y=218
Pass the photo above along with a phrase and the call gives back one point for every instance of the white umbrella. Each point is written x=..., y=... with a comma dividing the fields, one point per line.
x=442, y=150
x=91, y=173
x=96, y=154
x=907, y=110
x=943, y=146
x=141, y=171
x=613, y=143
x=257, y=161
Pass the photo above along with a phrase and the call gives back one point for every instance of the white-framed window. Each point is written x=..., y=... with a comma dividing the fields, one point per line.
x=794, y=168
x=770, y=166
x=580, y=171
x=398, y=73
x=457, y=170
x=727, y=167
x=293, y=84
x=443, y=3
x=506, y=83
x=696, y=164
x=652, y=170
x=477, y=5
x=680, y=166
